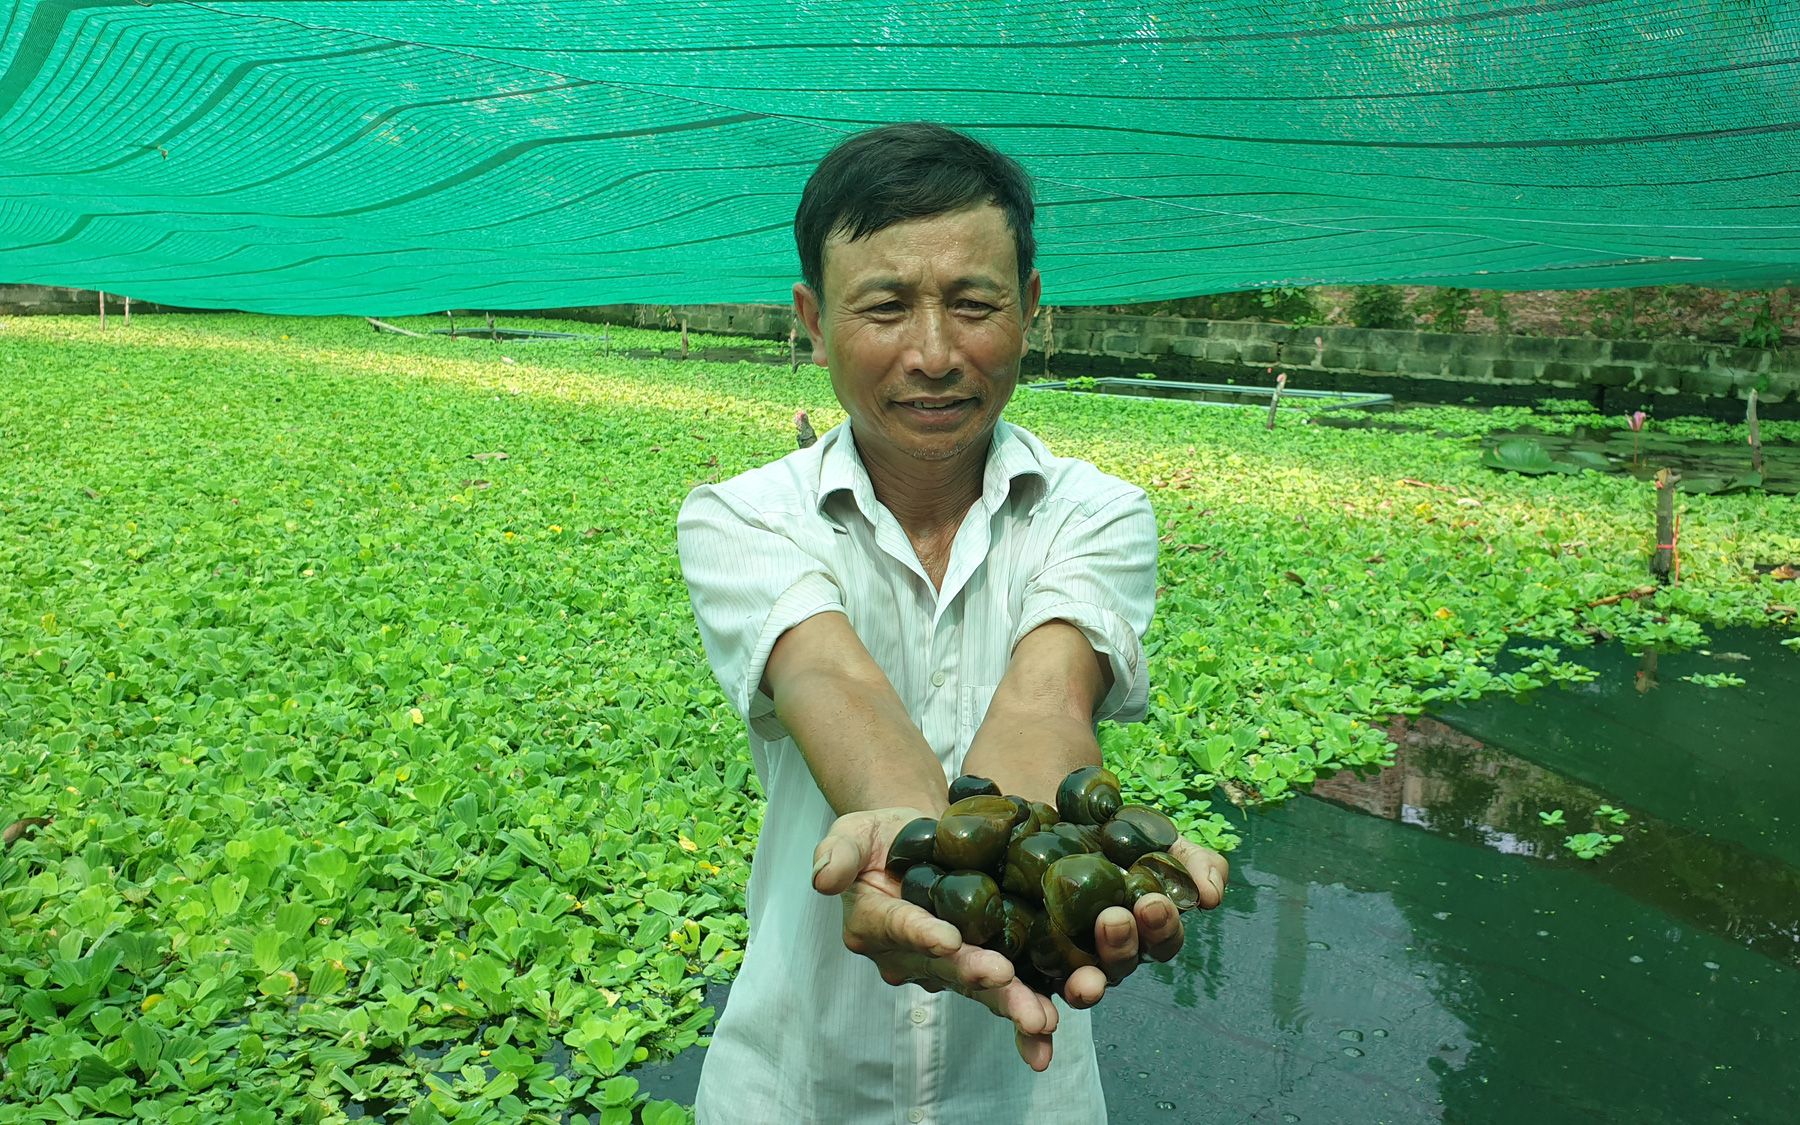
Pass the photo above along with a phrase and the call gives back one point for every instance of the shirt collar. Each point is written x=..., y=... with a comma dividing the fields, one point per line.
x=841, y=468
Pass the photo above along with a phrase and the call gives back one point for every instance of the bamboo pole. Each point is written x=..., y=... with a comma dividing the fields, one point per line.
x=1756, y=460
x=684, y=340
x=452, y=315
x=128, y=319
x=1275, y=399
x=492, y=333
x=793, y=354
x=383, y=326
x=1049, y=337
x=1665, y=563
x=103, y=308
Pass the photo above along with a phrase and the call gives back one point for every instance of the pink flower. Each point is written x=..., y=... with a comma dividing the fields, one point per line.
x=1636, y=420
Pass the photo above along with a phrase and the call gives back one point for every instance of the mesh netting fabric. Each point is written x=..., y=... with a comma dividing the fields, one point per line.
x=395, y=157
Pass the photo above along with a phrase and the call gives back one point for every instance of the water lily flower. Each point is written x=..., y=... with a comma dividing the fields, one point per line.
x=1637, y=420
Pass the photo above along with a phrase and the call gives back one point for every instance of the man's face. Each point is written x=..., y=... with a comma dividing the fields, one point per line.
x=922, y=328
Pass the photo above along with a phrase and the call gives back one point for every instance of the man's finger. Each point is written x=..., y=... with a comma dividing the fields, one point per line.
x=1034, y=1049
x=877, y=923
x=1158, y=926
x=1207, y=868
x=1116, y=943
x=1085, y=987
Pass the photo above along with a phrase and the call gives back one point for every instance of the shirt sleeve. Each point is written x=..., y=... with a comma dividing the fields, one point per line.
x=1101, y=578
x=749, y=582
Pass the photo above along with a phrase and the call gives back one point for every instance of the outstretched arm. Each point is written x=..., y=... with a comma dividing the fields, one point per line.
x=1038, y=728
x=878, y=773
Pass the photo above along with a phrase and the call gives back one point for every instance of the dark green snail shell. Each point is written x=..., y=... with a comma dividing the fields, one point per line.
x=1134, y=832
x=970, y=901
x=973, y=834
x=1077, y=889
x=1051, y=953
x=1089, y=795
x=916, y=884
x=1046, y=813
x=1140, y=882
x=1083, y=836
x=968, y=785
x=1173, y=877
x=1029, y=823
x=1016, y=917
x=914, y=843
x=1029, y=857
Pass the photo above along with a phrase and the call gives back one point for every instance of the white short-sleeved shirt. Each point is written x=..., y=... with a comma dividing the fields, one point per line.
x=811, y=1033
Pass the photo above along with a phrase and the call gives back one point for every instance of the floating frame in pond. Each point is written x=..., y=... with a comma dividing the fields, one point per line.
x=1220, y=394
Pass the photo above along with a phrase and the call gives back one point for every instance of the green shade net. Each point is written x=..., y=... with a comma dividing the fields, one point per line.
x=394, y=157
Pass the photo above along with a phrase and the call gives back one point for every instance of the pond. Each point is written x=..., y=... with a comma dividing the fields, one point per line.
x=1420, y=946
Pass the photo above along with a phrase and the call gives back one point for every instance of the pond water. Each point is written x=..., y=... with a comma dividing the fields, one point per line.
x=1420, y=946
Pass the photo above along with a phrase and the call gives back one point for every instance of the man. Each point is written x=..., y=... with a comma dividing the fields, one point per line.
x=923, y=593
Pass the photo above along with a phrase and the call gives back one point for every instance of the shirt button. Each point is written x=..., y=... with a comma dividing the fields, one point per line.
x=937, y=679
x=915, y=1116
x=918, y=1015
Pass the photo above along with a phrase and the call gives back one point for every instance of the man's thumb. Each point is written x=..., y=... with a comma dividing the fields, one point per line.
x=836, y=863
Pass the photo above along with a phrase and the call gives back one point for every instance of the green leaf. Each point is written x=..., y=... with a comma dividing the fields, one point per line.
x=666, y=901
x=146, y=1043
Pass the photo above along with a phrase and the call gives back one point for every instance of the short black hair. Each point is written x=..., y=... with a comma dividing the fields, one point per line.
x=893, y=173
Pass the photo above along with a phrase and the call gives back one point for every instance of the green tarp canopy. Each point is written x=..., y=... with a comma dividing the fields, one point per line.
x=384, y=157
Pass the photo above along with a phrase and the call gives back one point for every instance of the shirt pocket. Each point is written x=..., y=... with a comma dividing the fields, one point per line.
x=971, y=709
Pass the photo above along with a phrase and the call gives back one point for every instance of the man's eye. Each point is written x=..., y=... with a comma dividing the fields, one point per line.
x=975, y=306
x=888, y=307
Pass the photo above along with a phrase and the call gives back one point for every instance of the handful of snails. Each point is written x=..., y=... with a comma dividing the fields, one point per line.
x=1029, y=880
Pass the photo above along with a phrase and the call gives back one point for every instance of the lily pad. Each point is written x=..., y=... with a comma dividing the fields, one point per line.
x=1524, y=455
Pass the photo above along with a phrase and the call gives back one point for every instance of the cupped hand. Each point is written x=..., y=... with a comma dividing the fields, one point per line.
x=908, y=944
x=1151, y=928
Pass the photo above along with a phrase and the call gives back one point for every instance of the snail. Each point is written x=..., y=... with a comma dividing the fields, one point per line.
x=1030, y=880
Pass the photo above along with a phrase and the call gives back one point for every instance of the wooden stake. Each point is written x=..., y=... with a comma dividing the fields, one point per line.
x=103, y=309
x=452, y=317
x=1665, y=563
x=491, y=331
x=1756, y=461
x=1275, y=399
x=1049, y=337
x=684, y=344
x=128, y=325
x=793, y=355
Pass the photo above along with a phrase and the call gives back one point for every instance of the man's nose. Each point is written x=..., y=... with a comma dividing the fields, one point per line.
x=934, y=351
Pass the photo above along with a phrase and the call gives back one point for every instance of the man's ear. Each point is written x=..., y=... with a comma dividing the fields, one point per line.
x=1030, y=295
x=810, y=310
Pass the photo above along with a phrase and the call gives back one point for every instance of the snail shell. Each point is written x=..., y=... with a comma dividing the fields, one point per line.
x=1134, y=832
x=968, y=785
x=1089, y=795
x=970, y=901
x=916, y=884
x=1076, y=889
x=1029, y=857
x=914, y=843
x=973, y=834
x=1173, y=877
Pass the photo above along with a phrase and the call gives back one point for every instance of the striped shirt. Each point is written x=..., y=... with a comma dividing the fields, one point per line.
x=811, y=1033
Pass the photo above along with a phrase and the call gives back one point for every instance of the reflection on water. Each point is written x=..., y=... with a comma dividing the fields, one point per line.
x=1420, y=945
x=1451, y=784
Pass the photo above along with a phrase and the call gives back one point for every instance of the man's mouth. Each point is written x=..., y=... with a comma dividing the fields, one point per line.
x=935, y=404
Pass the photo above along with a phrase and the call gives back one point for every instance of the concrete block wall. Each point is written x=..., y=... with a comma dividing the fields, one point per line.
x=49, y=300
x=1617, y=376
x=1674, y=376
